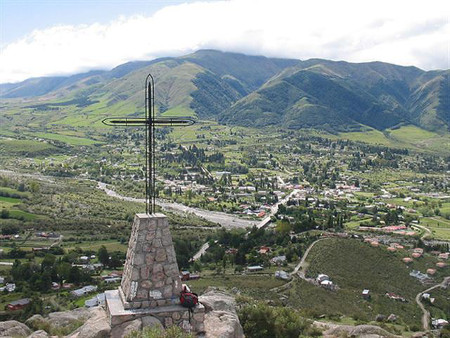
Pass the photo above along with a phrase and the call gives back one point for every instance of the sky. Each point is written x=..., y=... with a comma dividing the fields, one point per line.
x=64, y=37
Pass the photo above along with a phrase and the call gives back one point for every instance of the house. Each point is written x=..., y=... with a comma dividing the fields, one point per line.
x=231, y=251
x=393, y=296
x=10, y=287
x=327, y=284
x=185, y=275
x=18, y=304
x=366, y=294
x=194, y=276
x=108, y=280
x=255, y=268
x=322, y=277
x=282, y=275
x=83, y=291
x=443, y=255
x=2, y=280
x=439, y=323
x=96, y=300
x=68, y=285
x=278, y=260
x=264, y=250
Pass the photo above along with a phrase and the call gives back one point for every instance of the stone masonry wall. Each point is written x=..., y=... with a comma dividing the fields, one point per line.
x=151, y=275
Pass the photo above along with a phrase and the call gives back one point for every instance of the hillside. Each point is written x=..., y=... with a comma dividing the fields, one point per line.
x=354, y=266
x=343, y=96
x=240, y=90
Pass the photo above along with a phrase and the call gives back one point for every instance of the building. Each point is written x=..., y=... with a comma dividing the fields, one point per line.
x=185, y=275
x=322, y=277
x=96, y=300
x=83, y=291
x=264, y=250
x=282, y=275
x=278, y=260
x=18, y=304
x=10, y=287
x=366, y=294
x=327, y=284
x=254, y=268
x=439, y=323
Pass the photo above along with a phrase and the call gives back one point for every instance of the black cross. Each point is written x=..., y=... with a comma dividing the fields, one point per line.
x=150, y=121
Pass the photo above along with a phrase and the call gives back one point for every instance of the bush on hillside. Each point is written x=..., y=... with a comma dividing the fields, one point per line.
x=264, y=321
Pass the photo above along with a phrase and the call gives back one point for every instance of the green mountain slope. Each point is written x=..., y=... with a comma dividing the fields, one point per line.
x=341, y=96
x=239, y=89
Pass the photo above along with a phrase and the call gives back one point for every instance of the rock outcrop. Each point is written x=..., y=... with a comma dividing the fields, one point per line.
x=97, y=326
x=14, y=328
x=335, y=330
x=221, y=319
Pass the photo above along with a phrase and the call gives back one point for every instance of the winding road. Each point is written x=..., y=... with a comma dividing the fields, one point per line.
x=426, y=313
x=226, y=220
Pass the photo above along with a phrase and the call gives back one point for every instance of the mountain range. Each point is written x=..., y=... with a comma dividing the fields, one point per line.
x=250, y=91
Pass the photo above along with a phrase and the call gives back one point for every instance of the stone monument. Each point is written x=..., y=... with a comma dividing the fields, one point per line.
x=151, y=275
x=151, y=284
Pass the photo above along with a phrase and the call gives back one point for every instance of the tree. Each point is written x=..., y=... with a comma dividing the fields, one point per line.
x=103, y=255
x=48, y=262
x=74, y=275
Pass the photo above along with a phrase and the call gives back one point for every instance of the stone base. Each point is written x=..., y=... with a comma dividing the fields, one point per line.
x=146, y=303
x=168, y=315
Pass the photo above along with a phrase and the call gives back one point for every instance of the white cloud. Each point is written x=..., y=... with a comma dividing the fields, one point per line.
x=402, y=32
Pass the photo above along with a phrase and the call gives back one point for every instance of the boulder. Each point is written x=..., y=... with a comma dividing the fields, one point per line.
x=392, y=318
x=335, y=330
x=222, y=324
x=151, y=321
x=66, y=318
x=34, y=320
x=14, y=328
x=214, y=299
x=97, y=326
x=39, y=334
x=126, y=328
x=221, y=319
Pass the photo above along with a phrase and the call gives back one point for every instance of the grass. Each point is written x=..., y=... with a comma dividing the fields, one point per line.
x=9, y=200
x=439, y=227
x=111, y=245
x=77, y=141
x=257, y=286
x=371, y=136
x=26, y=147
x=410, y=136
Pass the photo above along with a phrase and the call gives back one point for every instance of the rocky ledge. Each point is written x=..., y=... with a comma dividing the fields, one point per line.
x=221, y=320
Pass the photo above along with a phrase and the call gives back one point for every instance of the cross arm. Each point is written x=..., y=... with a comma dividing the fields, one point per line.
x=160, y=121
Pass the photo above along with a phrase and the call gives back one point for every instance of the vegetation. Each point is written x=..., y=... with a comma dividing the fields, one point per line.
x=156, y=332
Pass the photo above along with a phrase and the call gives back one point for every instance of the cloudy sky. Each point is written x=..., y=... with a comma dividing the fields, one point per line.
x=62, y=37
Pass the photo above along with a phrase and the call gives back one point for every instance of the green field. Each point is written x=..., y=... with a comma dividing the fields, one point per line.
x=404, y=137
x=23, y=147
x=77, y=141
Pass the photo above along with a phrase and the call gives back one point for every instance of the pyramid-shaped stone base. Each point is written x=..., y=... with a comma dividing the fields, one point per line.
x=151, y=276
x=151, y=284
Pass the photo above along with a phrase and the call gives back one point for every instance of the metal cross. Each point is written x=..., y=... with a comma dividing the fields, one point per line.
x=149, y=121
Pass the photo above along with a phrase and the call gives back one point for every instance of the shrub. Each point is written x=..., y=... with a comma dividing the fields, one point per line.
x=156, y=332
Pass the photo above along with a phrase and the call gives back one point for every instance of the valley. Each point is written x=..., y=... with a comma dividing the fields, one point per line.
x=370, y=189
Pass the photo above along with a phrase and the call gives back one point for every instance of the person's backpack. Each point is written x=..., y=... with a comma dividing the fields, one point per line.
x=188, y=299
